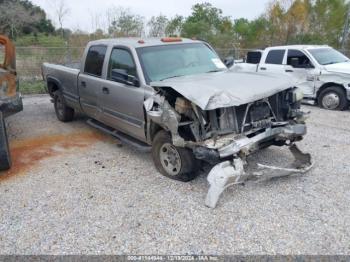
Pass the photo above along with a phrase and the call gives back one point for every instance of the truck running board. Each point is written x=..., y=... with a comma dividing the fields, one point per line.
x=125, y=139
x=308, y=102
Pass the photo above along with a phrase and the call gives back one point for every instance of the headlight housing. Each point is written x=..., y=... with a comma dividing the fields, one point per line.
x=296, y=95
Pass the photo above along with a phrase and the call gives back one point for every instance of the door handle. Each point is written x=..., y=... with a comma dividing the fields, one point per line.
x=105, y=90
x=83, y=83
x=289, y=71
x=262, y=68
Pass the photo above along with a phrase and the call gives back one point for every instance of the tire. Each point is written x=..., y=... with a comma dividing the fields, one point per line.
x=5, y=157
x=186, y=165
x=333, y=98
x=64, y=113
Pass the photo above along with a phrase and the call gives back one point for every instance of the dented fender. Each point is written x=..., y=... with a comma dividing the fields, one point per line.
x=165, y=116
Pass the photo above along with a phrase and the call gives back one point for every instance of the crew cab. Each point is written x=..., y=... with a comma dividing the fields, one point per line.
x=322, y=73
x=176, y=98
x=10, y=97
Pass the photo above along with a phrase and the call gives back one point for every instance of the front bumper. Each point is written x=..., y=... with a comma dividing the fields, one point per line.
x=229, y=173
x=347, y=88
x=213, y=150
x=11, y=105
x=246, y=144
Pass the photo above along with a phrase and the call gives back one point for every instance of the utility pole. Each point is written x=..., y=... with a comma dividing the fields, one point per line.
x=346, y=29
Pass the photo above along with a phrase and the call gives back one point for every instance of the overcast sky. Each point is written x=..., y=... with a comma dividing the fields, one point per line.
x=81, y=11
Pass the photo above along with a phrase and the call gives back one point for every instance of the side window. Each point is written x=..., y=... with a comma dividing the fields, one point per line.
x=298, y=59
x=275, y=57
x=123, y=61
x=94, y=60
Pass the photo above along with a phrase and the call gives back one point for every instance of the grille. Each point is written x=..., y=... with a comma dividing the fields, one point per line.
x=259, y=114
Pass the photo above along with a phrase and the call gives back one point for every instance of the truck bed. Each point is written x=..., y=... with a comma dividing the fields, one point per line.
x=65, y=75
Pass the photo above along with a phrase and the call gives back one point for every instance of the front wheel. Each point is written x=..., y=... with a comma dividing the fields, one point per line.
x=171, y=161
x=5, y=158
x=333, y=98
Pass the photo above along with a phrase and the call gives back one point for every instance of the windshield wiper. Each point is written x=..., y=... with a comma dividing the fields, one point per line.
x=330, y=63
x=215, y=70
x=171, y=77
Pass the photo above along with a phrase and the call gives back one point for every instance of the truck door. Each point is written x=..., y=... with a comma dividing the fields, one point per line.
x=302, y=70
x=121, y=96
x=89, y=81
x=273, y=62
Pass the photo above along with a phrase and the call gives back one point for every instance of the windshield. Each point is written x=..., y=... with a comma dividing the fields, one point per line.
x=169, y=61
x=328, y=56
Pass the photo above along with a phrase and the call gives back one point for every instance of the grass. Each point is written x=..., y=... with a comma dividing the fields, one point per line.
x=40, y=40
x=31, y=87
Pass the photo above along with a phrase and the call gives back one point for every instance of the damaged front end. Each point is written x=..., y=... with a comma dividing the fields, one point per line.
x=225, y=136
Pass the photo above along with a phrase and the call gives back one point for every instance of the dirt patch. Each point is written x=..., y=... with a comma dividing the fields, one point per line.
x=27, y=154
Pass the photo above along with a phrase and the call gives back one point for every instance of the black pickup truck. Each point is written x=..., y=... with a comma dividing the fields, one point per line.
x=10, y=98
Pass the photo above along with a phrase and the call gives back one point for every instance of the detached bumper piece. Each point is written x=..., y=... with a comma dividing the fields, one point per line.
x=229, y=173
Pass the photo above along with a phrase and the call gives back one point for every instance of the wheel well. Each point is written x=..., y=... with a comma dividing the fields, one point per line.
x=52, y=87
x=329, y=85
x=154, y=129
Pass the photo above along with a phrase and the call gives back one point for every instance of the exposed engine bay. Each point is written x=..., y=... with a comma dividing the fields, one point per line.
x=225, y=136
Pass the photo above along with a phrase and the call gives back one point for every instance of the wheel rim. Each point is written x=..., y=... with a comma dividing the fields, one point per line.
x=331, y=101
x=170, y=159
x=59, y=106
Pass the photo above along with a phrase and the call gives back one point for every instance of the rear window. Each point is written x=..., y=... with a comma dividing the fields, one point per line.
x=275, y=57
x=94, y=60
x=253, y=57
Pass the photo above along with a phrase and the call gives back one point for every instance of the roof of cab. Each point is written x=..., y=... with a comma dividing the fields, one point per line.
x=140, y=42
x=302, y=47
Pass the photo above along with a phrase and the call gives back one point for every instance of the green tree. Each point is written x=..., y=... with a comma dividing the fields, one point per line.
x=251, y=34
x=174, y=26
x=157, y=25
x=327, y=21
x=20, y=17
x=208, y=23
x=125, y=23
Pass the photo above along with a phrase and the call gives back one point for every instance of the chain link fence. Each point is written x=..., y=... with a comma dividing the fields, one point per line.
x=30, y=59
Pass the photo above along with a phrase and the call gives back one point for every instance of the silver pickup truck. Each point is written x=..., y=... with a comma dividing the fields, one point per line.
x=175, y=97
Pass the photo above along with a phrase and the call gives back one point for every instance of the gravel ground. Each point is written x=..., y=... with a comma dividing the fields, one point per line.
x=74, y=190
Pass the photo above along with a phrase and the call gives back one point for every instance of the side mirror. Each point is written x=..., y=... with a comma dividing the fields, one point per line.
x=121, y=76
x=229, y=61
x=309, y=66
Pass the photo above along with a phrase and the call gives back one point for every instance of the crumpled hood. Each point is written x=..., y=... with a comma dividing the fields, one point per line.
x=343, y=68
x=225, y=89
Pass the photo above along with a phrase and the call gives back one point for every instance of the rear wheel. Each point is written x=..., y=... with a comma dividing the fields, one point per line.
x=171, y=161
x=5, y=158
x=64, y=113
x=333, y=98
